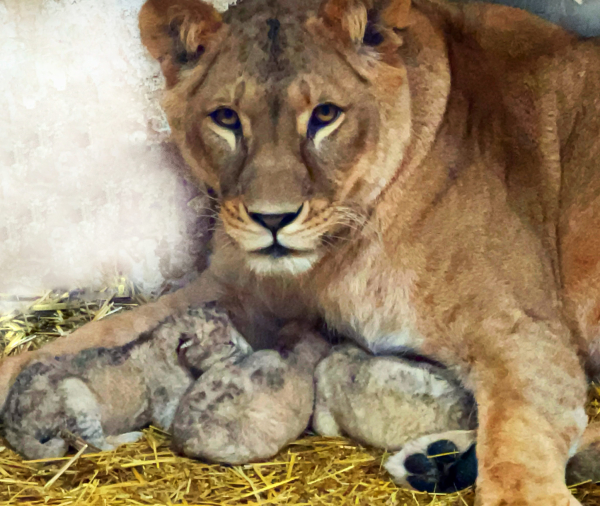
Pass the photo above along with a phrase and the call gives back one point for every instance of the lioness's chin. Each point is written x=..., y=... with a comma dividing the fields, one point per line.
x=293, y=265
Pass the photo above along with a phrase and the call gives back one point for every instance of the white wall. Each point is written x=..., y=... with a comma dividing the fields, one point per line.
x=88, y=184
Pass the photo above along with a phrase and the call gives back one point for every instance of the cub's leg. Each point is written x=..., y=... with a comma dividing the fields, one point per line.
x=34, y=448
x=39, y=413
x=115, y=330
x=125, y=438
x=443, y=463
x=33, y=415
x=83, y=414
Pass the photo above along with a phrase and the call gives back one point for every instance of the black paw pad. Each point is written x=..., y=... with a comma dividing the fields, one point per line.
x=443, y=452
x=418, y=463
x=442, y=468
x=466, y=469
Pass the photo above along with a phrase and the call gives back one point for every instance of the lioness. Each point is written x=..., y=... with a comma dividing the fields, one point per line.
x=421, y=176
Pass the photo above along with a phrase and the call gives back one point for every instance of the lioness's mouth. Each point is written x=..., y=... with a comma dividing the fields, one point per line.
x=278, y=259
x=276, y=250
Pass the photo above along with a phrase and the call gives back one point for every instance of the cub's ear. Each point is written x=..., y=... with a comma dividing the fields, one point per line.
x=357, y=20
x=176, y=32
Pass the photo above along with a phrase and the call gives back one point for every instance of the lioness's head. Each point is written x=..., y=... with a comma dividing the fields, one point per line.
x=297, y=114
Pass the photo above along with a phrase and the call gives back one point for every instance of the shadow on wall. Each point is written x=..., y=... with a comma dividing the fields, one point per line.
x=579, y=17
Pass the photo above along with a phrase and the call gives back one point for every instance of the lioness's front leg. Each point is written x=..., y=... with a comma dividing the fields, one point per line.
x=115, y=330
x=530, y=391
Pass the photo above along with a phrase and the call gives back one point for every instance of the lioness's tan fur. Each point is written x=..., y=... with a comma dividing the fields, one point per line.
x=455, y=210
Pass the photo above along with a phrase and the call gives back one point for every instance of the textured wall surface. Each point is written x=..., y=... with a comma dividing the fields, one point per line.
x=88, y=184
x=580, y=16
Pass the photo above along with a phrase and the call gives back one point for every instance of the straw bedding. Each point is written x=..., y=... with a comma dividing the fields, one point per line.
x=311, y=471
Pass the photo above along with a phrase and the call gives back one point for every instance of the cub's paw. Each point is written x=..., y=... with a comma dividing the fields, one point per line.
x=437, y=463
x=123, y=439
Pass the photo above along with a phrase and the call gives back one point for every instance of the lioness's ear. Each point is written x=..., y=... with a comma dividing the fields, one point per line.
x=176, y=32
x=396, y=14
x=351, y=18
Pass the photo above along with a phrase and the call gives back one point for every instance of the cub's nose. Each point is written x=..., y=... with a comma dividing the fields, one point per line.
x=274, y=222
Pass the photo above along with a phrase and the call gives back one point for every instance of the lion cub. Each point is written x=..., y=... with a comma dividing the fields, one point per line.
x=101, y=394
x=247, y=411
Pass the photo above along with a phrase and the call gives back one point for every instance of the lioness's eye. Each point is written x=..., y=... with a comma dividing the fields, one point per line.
x=226, y=118
x=322, y=115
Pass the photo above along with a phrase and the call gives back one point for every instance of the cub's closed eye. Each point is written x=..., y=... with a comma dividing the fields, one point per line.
x=322, y=116
x=226, y=118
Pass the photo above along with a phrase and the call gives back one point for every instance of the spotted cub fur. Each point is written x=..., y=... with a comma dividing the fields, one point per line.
x=102, y=394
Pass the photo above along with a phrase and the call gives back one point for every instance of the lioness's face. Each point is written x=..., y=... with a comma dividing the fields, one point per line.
x=296, y=133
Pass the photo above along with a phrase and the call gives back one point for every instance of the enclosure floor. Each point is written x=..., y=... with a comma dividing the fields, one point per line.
x=311, y=471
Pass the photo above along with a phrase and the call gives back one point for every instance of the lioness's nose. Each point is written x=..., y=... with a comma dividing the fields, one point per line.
x=274, y=222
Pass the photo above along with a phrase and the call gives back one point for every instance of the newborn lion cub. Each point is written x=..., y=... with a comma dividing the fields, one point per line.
x=101, y=394
x=240, y=412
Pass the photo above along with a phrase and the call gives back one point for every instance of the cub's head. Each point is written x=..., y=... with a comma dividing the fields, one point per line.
x=296, y=114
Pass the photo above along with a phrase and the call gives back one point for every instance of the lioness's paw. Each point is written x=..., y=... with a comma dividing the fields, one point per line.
x=438, y=463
